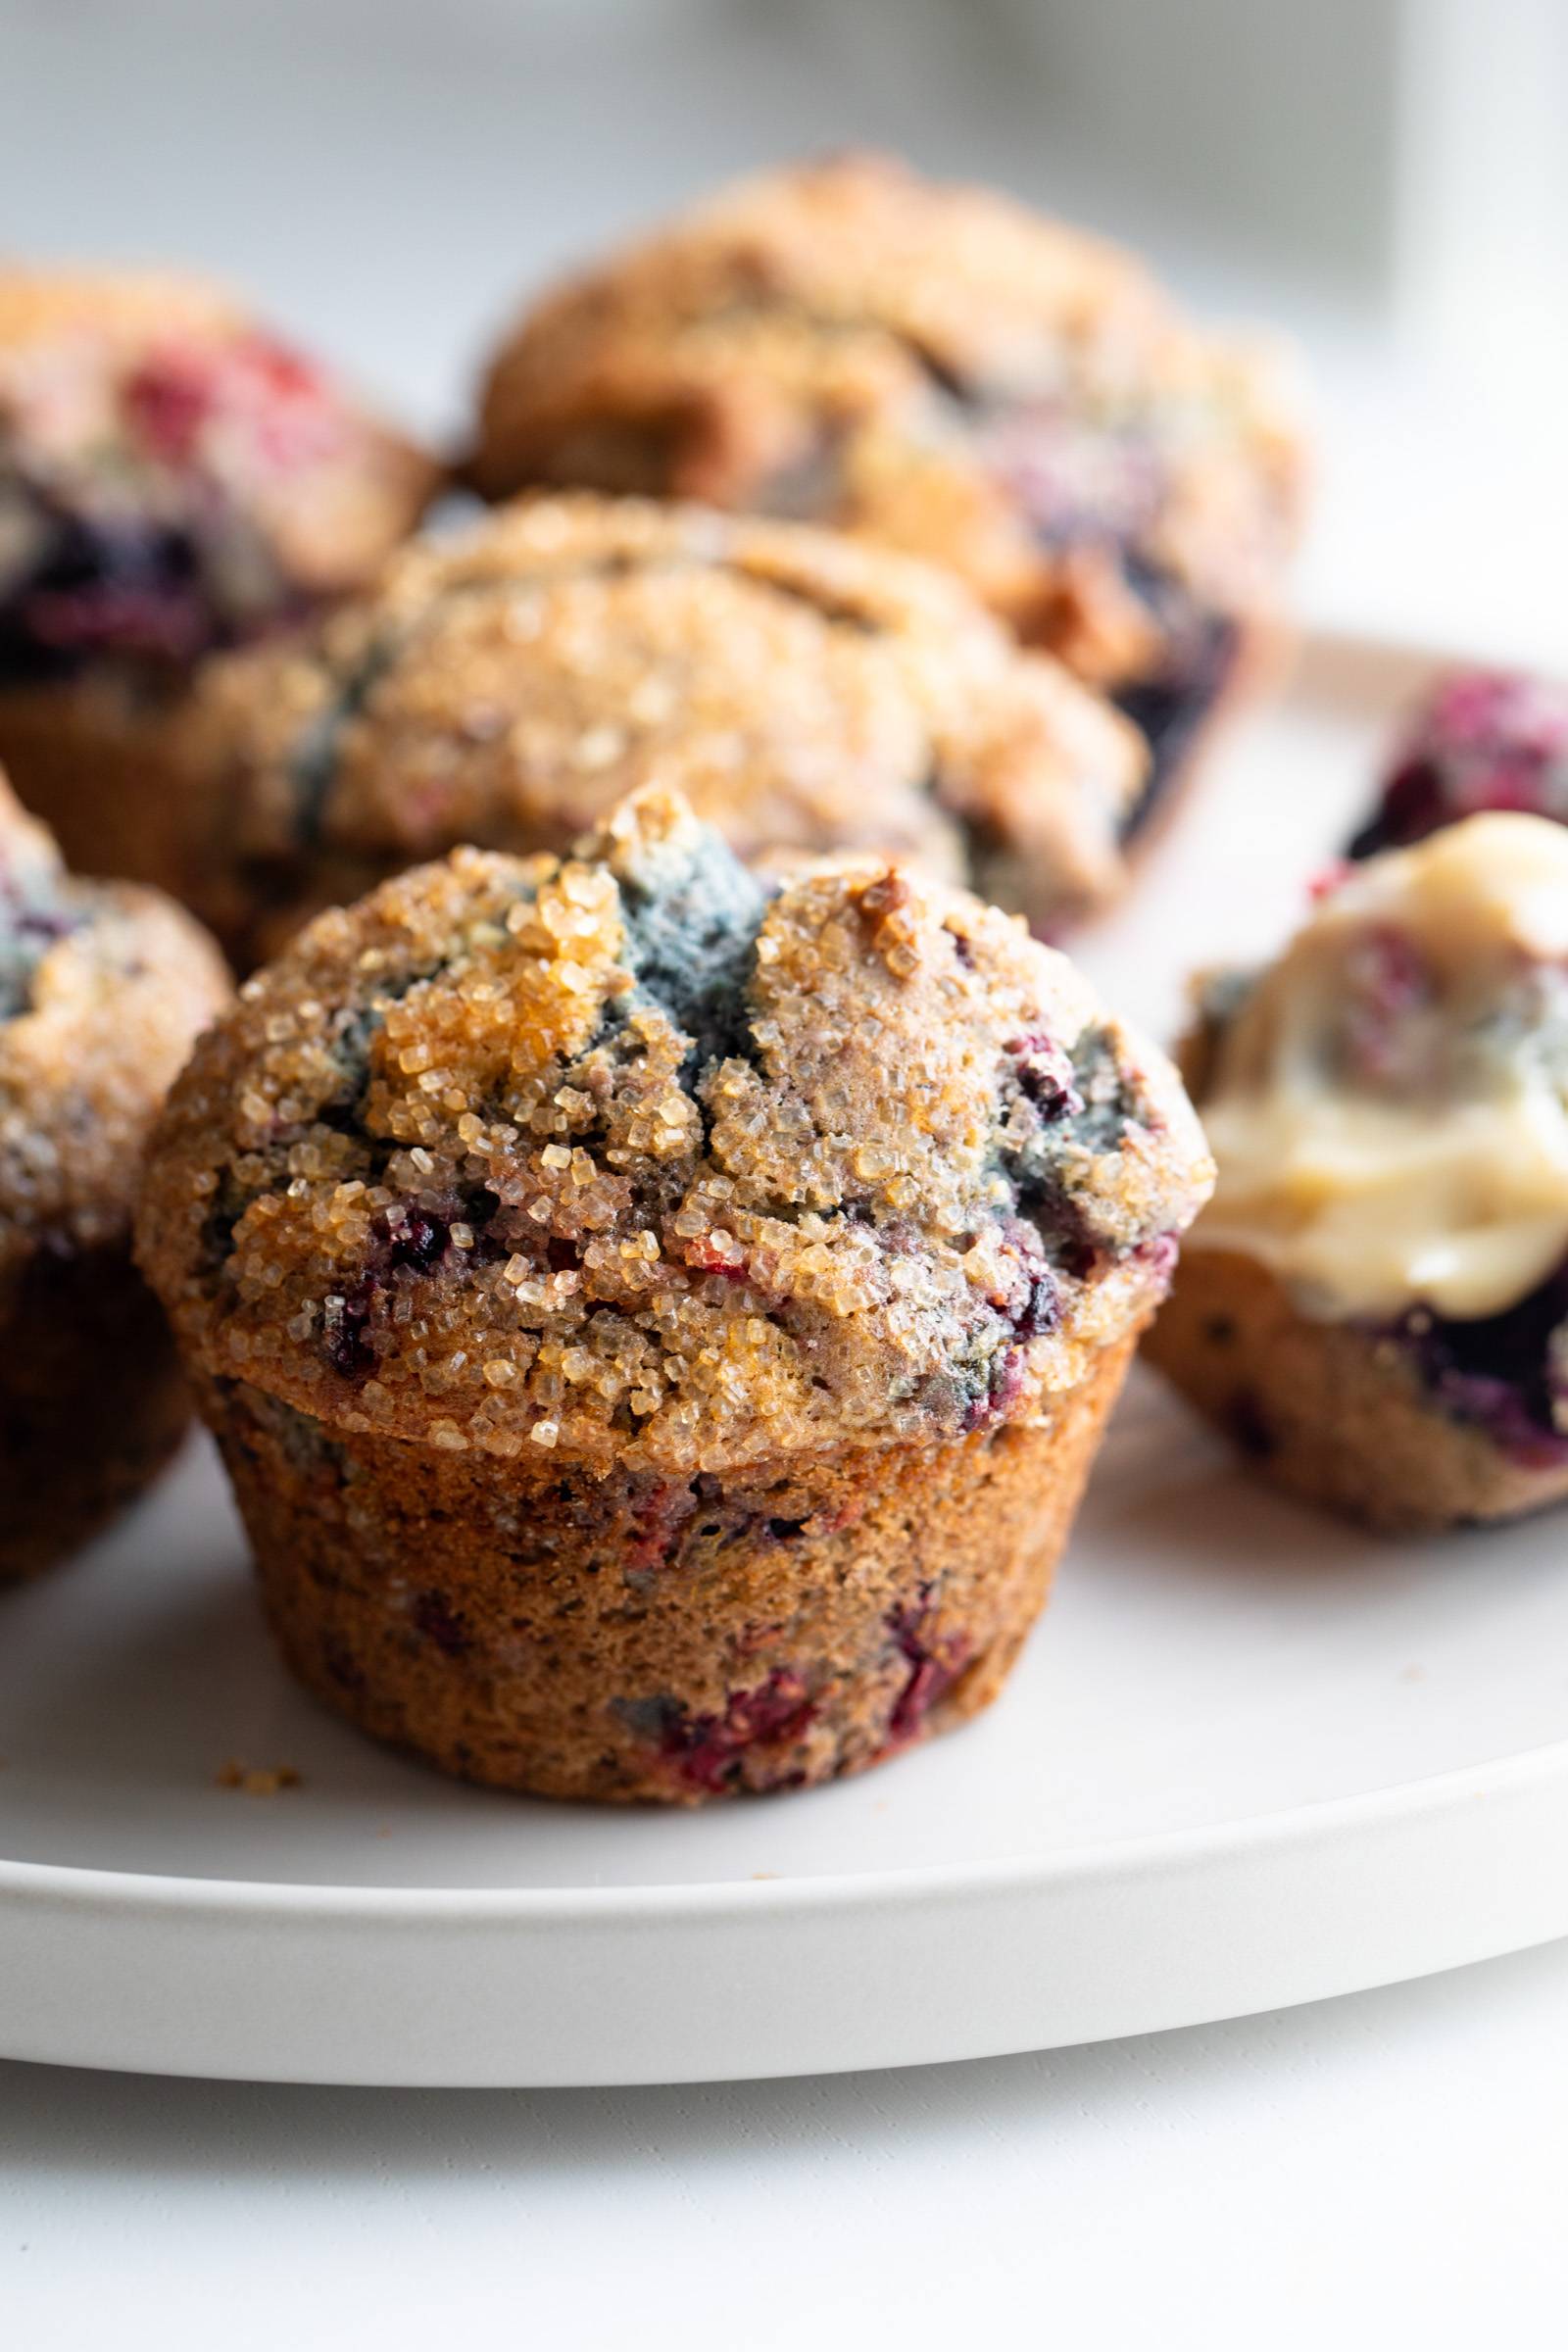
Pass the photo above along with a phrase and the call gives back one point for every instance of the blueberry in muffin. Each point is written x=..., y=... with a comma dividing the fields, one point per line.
x=102, y=989
x=659, y=1326
x=941, y=369
x=1482, y=739
x=1375, y=1304
x=508, y=686
x=173, y=479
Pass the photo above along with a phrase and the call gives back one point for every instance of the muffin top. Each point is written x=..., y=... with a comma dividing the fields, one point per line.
x=1387, y=1104
x=172, y=477
x=102, y=989
x=620, y=1158
x=1482, y=739
x=508, y=686
x=936, y=366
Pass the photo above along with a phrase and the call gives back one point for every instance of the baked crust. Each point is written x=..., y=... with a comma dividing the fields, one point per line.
x=100, y=763
x=620, y=1155
x=327, y=484
x=507, y=687
x=172, y=479
x=101, y=996
x=630, y=1639
x=102, y=990
x=1332, y=1412
x=92, y=1401
x=936, y=367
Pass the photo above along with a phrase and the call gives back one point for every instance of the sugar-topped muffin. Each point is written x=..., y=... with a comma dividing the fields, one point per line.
x=507, y=686
x=174, y=478
x=657, y=1328
x=102, y=990
x=1375, y=1304
x=943, y=371
x=1481, y=739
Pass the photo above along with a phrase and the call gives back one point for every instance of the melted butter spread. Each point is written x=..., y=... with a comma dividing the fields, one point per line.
x=1388, y=1107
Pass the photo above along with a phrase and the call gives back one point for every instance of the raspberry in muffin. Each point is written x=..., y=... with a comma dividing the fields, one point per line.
x=173, y=479
x=102, y=990
x=659, y=1330
x=1375, y=1304
x=943, y=371
x=1482, y=739
x=505, y=688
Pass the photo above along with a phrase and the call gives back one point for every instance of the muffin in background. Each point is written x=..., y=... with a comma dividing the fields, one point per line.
x=506, y=686
x=173, y=479
x=102, y=990
x=1479, y=739
x=1374, y=1307
x=941, y=369
x=659, y=1331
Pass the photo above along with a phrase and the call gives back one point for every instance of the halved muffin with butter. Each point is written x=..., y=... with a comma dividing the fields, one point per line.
x=1375, y=1304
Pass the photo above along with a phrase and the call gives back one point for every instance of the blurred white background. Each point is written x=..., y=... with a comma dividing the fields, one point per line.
x=1389, y=180
x=1386, y=178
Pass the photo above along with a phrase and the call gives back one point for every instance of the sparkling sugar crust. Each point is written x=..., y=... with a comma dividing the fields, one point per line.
x=507, y=687
x=616, y=1159
x=102, y=989
x=936, y=366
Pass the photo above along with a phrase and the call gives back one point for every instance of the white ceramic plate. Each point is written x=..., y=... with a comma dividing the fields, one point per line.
x=1250, y=1758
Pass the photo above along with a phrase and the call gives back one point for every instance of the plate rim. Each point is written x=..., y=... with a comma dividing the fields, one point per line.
x=528, y=1989
x=1145, y=1854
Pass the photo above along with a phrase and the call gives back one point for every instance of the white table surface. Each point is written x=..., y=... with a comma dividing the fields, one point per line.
x=1388, y=2169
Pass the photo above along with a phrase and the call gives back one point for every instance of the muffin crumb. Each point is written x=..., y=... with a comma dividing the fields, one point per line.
x=256, y=1780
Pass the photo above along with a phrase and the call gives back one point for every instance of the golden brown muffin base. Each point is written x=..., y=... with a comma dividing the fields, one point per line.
x=1332, y=1414
x=636, y=1639
x=91, y=762
x=92, y=1403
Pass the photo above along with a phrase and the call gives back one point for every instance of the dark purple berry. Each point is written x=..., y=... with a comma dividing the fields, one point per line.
x=935, y=1665
x=346, y=1338
x=439, y=1622
x=1499, y=1372
x=1043, y=1073
x=658, y=1519
x=418, y=1241
x=710, y=1753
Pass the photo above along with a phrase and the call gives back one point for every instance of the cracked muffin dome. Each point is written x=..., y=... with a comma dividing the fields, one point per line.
x=102, y=990
x=943, y=371
x=507, y=687
x=621, y=1157
x=174, y=478
x=659, y=1329
x=1375, y=1303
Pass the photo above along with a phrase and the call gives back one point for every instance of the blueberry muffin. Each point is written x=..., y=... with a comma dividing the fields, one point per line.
x=659, y=1330
x=1482, y=739
x=505, y=688
x=947, y=373
x=1375, y=1306
x=172, y=479
x=102, y=989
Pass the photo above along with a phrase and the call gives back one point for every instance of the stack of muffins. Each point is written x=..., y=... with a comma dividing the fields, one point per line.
x=658, y=1233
